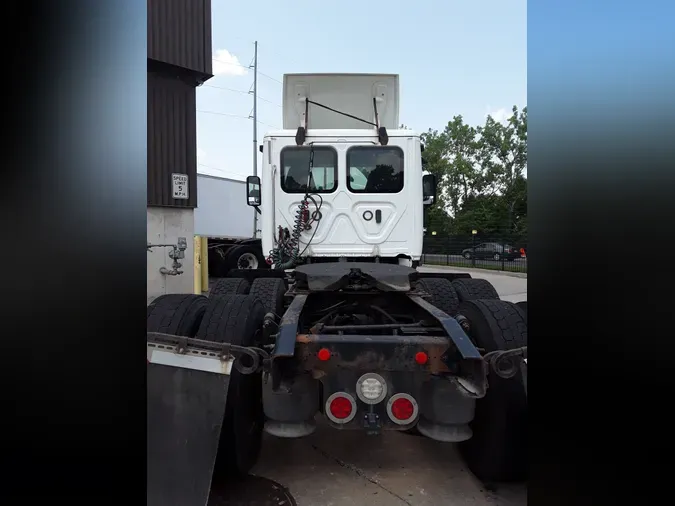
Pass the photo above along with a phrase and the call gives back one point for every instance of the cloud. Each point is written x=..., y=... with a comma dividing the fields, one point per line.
x=227, y=64
x=500, y=115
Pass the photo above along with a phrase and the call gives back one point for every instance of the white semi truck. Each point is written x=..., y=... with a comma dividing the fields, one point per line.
x=224, y=218
x=343, y=326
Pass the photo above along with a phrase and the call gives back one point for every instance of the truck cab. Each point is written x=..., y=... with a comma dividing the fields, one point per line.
x=341, y=174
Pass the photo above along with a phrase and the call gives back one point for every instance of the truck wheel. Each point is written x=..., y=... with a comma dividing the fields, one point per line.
x=443, y=294
x=271, y=292
x=177, y=314
x=230, y=286
x=245, y=257
x=473, y=289
x=522, y=305
x=218, y=261
x=497, y=452
x=237, y=319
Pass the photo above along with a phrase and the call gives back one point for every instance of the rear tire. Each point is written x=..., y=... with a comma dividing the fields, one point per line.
x=218, y=262
x=245, y=257
x=230, y=286
x=497, y=452
x=177, y=314
x=474, y=289
x=443, y=294
x=523, y=307
x=271, y=292
x=237, y=319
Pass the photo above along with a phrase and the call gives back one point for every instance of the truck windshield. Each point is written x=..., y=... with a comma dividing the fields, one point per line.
x=375, y=169
x=295, y=166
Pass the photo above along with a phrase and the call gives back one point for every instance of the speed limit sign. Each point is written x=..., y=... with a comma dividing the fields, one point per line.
x=180, y=186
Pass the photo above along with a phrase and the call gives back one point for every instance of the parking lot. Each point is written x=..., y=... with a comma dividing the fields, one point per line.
x=334, y=468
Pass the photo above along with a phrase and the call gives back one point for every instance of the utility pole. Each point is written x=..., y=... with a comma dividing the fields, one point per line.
x=255, y=127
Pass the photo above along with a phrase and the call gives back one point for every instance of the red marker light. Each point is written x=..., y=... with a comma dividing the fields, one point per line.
x=421, y=358
x=402, y=409
x=341, y=408
x=324, y=354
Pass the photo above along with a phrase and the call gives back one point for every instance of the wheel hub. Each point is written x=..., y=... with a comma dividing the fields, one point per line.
x=247, y=261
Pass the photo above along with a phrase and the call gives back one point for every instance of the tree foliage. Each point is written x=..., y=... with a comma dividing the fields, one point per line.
x=481, y=174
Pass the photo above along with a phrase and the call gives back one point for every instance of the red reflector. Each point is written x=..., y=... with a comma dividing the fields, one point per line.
x=341, y=407
x=402, y=409
x=421, y=358
x=324, y=354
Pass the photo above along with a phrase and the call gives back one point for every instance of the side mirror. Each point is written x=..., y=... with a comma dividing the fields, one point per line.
x=429, y=189
x=253, y=191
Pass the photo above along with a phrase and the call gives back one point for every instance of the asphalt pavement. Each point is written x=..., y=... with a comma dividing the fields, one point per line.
x=347, y=468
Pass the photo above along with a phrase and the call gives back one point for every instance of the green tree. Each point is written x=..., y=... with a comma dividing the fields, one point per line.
x=502, y=152
x=481, y=175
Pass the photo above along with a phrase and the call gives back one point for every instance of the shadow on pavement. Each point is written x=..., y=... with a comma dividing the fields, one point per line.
x=250, y=491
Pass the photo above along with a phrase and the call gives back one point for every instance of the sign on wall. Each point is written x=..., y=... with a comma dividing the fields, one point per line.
x=180, y=186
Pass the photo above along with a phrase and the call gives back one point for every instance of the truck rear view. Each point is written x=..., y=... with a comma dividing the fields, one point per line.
x=344, y=328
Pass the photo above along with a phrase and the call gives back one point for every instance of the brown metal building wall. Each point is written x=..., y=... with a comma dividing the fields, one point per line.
x=172, y=138
x=179, y=33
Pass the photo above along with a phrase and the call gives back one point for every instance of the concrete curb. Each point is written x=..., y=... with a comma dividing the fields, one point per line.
x=522, y=275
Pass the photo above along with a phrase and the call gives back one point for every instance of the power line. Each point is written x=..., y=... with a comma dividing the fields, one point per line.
x=269, y=101
x=267, y=124
x=223, y=114
x=247, y=67
x=270, y=77
x=231, y=63
x=226, y=89
x=228, y=172
x=240, y=116
x=240, y=91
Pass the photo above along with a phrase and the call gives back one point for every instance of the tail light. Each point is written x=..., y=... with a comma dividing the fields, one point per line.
x=402, y=409
x=341, y=408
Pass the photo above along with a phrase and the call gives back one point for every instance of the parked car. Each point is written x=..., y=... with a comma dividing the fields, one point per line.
x=492, y=251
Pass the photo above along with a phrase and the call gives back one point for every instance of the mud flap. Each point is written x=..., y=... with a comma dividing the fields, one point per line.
x=185, y=411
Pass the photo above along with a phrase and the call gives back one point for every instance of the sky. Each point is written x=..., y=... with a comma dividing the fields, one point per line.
x=453, y=57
